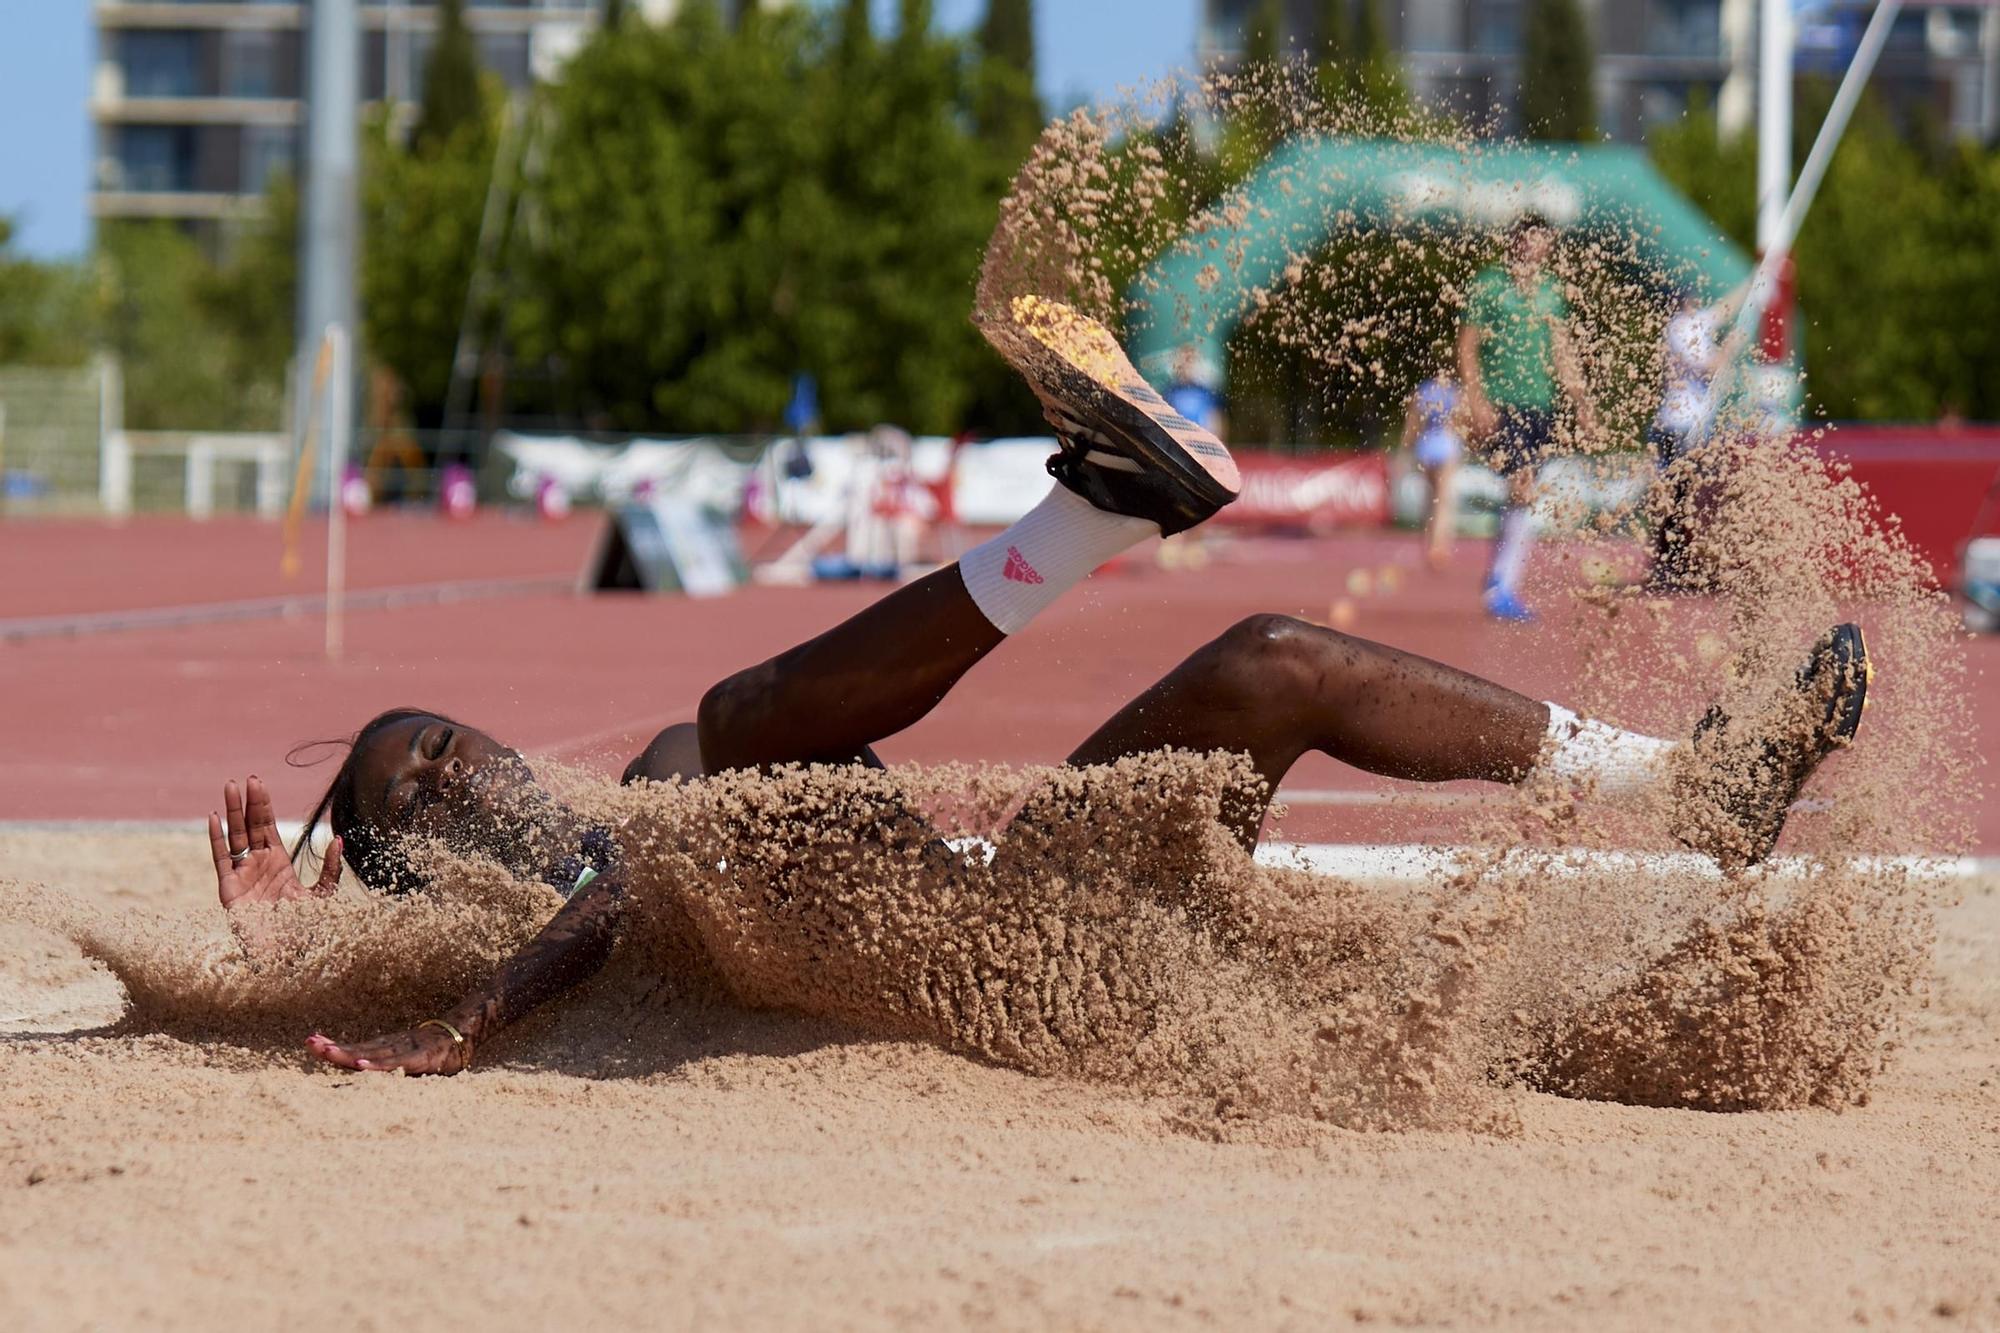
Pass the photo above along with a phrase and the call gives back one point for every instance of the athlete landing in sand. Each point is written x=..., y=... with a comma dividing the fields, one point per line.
x=1271, y=686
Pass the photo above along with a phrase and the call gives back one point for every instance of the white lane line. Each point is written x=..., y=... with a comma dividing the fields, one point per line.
x=24, y=628
x=1349, y=860
x=1337, y=796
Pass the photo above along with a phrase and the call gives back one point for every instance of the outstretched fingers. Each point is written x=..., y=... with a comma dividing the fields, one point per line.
x=225, y=867
x=232, y=810
x=261, y=817
x=419, y=1051
x=329, y=871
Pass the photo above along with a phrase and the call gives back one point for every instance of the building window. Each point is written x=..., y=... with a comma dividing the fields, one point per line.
x=1496, y=27
x=156, y=159
x=506, y=54
x=161, y=63
x=250, y=64
x=268, y=150
x=1685, y=30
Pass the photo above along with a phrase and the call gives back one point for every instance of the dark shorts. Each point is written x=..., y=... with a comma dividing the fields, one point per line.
x=1667, y=445
x=1521, y=440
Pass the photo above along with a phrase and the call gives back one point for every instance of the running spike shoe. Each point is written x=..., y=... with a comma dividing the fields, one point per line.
x=1122, y=447
x=1504, y=605
x=1741, y=775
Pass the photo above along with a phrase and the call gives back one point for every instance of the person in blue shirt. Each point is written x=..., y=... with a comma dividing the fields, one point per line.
x=1434, y=432
x=1192, y=391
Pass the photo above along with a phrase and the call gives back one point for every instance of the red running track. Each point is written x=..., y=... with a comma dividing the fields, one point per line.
x=147, y=724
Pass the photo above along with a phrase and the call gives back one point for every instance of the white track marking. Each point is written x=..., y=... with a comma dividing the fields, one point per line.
x=1413, y=862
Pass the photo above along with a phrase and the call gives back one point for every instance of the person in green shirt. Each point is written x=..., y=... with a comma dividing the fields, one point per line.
x=1518, y=364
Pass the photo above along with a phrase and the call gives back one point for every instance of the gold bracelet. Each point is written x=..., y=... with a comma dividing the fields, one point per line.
x=459, y=1039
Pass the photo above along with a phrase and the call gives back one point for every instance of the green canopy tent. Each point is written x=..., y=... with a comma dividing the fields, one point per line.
x=1205, y=284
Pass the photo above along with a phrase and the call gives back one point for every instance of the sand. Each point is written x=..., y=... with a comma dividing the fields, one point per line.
x=1119, y=1077
x=756, y=1169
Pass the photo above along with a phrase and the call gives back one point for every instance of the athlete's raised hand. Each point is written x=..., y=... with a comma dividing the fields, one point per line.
x=251, y=863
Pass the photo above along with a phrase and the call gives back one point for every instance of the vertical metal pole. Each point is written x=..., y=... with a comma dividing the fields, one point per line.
x=1791, y=212
x=328, y=236
x=338, y=414
x=114, y=453
x=1774, y=117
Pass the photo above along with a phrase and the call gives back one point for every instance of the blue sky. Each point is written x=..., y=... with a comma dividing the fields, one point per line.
x=1089, y=48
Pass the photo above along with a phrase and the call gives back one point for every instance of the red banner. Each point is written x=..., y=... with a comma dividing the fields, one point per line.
x=1336, y=489
x=1937, y=479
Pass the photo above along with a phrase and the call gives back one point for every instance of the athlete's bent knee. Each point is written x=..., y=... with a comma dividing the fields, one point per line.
x=728, y=715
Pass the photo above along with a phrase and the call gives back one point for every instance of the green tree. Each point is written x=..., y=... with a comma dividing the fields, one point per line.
x=1333, y=37
x=614, y=13
x=160, y=321
x=421, y=209
x=1556, y=97
x=857, y=32
x=1900, y=307
x=1007, y=110
x=47, y=311
x=721, y=210
x=452, y=97
x=1263, y=35
x=1371, y=37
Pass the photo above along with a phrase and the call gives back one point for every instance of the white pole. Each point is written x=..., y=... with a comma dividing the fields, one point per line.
x=1837, y=116
x=1774, y=116
x=114, y=452
x=338, y=407
x=1784, y=227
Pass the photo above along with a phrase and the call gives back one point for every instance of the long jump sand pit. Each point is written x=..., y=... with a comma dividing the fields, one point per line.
x=641, y=1163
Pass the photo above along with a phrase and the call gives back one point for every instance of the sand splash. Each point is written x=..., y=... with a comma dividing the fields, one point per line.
x=1118, y=934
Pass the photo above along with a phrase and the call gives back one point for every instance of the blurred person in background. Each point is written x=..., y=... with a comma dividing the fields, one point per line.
x=1192, y=391
x=1518, y=363
x=1433, y=431
x=1691, y=357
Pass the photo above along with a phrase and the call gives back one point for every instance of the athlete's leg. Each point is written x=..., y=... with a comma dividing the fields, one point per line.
x=868, y=677
x=1128, y=468
x=1442, y=521
x=1275, y=687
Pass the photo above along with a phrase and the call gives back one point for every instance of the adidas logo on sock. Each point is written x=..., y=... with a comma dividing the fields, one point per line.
x=1017, y=569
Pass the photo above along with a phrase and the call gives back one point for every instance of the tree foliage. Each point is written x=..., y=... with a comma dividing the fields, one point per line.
x=47, y=311
x=452, y=98
x=1900, y=302
x=722, y=210
x=1557, y=101
x=421, y=207
x=1007, y=109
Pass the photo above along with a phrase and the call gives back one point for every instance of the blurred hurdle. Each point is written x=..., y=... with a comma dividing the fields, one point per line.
x=202, y=456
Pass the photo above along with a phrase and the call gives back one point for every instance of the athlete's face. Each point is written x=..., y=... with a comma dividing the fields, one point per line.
x=1531, y=248
x=428, y=778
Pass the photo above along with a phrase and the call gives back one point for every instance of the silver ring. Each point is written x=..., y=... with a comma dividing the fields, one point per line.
x=238, y=858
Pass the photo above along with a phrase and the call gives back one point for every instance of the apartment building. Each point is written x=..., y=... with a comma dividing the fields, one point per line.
x=195, y=103
x=1464, y=56
x=1941, y=60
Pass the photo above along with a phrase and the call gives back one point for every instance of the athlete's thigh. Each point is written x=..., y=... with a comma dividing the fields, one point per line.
x=1208, y=703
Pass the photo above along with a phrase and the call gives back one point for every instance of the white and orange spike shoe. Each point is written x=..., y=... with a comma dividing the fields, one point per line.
x=1124, y=449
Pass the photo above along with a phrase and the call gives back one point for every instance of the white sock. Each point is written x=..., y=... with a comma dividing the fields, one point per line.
x=1510, y=553
x=1599, y=757
x=1048, y=551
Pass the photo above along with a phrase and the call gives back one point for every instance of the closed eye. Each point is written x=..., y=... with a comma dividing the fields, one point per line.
x=439, y=742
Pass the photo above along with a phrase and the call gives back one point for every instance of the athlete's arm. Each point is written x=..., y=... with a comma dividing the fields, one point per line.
x=569, y=951
x=1410, y=423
